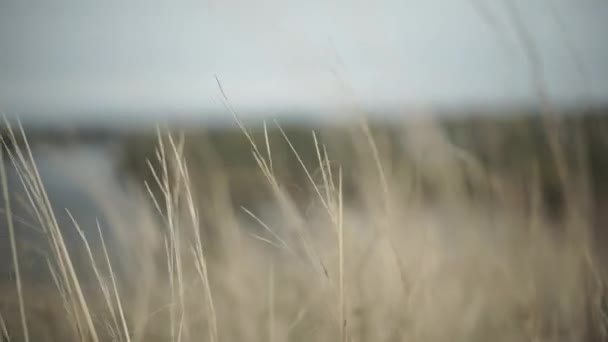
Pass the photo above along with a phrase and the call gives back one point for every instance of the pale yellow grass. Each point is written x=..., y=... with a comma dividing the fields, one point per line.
x=394, y=265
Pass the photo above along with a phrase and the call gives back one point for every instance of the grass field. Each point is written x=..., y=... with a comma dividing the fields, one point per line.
x=468, y=230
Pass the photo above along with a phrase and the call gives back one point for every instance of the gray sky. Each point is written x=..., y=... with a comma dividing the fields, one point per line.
x=68, y=57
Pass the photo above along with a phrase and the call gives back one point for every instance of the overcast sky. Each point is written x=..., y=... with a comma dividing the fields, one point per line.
x=83, y=58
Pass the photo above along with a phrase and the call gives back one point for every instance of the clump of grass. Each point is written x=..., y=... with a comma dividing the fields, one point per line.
x=403, y=237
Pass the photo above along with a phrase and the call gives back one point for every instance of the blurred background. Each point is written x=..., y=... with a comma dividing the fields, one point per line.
x=90, y=81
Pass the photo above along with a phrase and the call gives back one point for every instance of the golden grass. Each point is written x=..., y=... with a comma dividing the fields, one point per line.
x=438, y=248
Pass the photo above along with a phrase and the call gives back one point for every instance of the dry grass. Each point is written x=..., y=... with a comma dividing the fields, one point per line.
x=438, y=248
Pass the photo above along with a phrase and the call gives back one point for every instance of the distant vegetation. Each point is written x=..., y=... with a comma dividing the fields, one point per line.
x=512, y=146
